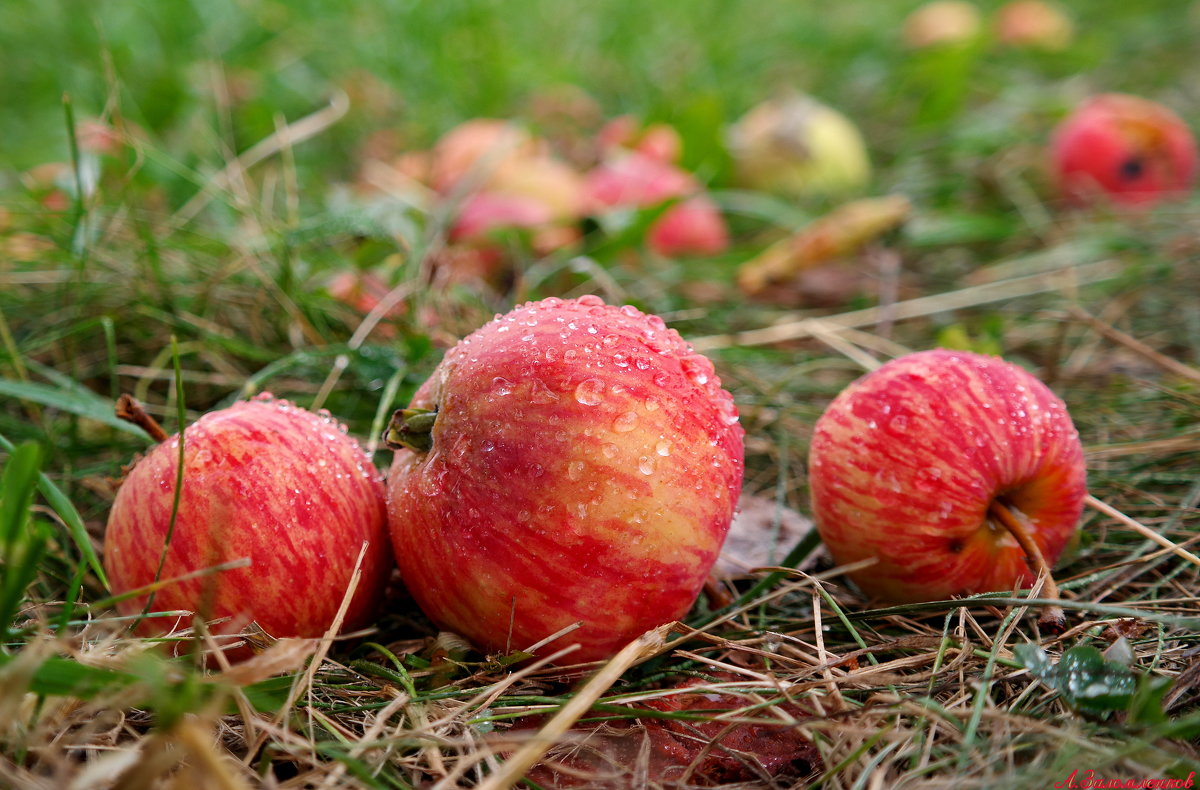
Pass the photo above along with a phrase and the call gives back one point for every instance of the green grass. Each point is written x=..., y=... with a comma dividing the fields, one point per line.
x=159, y=263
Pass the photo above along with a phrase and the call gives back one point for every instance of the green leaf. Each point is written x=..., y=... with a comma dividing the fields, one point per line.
x=72, y=401
x=1086, y=680
x=69, y=515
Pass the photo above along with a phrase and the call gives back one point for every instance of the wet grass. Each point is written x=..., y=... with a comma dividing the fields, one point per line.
x=180, y=250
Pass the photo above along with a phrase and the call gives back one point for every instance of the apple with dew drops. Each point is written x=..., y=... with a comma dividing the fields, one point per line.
x=569, y=462
x=266, y=480
x=1123, y=148
x=957, y=473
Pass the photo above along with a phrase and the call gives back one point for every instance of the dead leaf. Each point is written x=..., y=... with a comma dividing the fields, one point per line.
x=752, y=541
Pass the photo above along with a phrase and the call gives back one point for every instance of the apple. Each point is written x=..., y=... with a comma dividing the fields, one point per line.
x=265, y=480
x=1033, y=23
x=478, y=147
x=659, y=140
x=631, y=179
x=796, y=146
x=941, y=23
x=1131, y=150
x=569, y=462
x=691, y=227
x=947, y=468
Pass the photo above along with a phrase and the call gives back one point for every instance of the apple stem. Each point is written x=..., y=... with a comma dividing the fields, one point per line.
x=1053, y=619
x=412, y=429
x=129, y=410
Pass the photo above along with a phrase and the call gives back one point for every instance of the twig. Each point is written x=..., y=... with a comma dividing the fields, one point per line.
x=1168, y=364
x=1141, y=529
x=914, y=308
x=523, y=759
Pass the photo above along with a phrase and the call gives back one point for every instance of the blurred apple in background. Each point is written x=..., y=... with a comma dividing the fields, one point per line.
x=1123, y=148
x=692, y=227
x=944, y=467
x=797, y=146
x=1033, y=23
x=569, y=462
x=941, y=23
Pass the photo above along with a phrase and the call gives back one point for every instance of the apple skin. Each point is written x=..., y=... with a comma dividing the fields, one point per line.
x=1132, y=150
x=584, y=467
x=267, y=480
x=906, y=461
x=691, y=227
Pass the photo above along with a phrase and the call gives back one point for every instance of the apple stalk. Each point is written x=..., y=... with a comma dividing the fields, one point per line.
x=1053, y=618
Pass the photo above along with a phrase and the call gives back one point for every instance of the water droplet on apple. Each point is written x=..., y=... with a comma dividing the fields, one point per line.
x=575, y=470
x=698, y=369
x=502, y=386
x=630, y=311
x=663, y=448
x=621, y=360
x=610, y=340
x=626, y=422
x=651, y=405
x=488, y=445
x=646, y=465
x=610, y=450
x=641, y=363
x=590, y=392
x=524, y=515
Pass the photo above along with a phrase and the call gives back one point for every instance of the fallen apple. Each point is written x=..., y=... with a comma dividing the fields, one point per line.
x=570, y=462
x=264, y=480
x=691, y=227
x=1127, y=149
x=941, y=23
x=797, y=146
x=1033, y=23
x=957, y=473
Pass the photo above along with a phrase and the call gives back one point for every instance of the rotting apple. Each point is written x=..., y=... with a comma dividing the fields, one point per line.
x=569, y=462
x=795, y=145
x=265, y=480
x=949, y=469
x=1132, y=150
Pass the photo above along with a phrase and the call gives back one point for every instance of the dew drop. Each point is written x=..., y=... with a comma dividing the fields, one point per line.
x=502, y=386
x=610, y=450
x=663, y=448
x=575, y=470
x=646, y=465
x=626, y=422
x=590, y=392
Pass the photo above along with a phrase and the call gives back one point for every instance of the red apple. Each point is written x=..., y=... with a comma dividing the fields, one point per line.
x=569, y=462
x=692, y=227
x=629, y=179
x=920, y=464
x=267, y=480
x=1132, y=150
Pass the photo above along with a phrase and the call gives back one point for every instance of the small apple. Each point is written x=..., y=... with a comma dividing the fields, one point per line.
x=691, y=227
x=659, y=140
x=1131, y=150
x=941, y=23
x=948, y=468
x=569, y=462
x=797, y=146
x=264, y=480
x=478, y=147
x=1033, y=23
x=630, y=179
